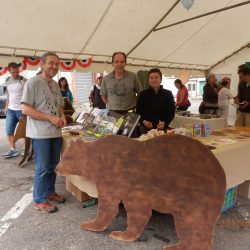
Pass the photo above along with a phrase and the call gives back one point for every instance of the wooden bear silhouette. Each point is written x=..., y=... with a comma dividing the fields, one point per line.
x=170, y=174
x=20, y=133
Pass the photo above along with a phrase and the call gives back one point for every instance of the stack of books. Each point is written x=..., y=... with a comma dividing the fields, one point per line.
x=99, y=123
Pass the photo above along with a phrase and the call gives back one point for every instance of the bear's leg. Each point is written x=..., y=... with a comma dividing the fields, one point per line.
x=107, y=210
x=194, y=233
x=137, y=219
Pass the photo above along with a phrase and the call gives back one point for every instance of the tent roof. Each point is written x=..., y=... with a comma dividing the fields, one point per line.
x=81, y=28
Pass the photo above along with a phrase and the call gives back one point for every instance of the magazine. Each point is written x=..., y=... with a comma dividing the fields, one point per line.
x=86, y=109
x=129, y=124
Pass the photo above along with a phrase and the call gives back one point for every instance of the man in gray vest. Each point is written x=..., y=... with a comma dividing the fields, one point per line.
x=15, y=84
x=42, y=103
x=119, y=89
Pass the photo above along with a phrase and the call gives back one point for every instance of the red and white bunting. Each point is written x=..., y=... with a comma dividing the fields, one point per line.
x=68, y=65
x=22, y=66
x=3, y=70
x=85, y=63
x=32, y=60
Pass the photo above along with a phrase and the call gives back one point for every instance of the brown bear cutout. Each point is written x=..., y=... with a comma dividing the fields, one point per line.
x=20, y=133
x=170, y=174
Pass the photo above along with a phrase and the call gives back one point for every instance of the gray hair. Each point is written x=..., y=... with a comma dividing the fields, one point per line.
x=209, y=76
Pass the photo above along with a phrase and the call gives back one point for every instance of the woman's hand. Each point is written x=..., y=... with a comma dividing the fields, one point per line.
x=147, y=124
x=161, y=125
x=236, y=99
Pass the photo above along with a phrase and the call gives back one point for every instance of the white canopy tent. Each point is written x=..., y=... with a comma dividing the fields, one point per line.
x=80, y=29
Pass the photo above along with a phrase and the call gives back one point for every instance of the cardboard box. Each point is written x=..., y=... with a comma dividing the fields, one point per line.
x=76, y=192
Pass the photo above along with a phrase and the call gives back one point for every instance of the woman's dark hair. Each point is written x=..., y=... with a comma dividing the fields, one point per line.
x=122, y=53
x=224, y=83
x=178, y=81
x=155, y=70
x=60, y=83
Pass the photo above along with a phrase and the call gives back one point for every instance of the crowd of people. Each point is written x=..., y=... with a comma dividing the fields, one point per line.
x=216, y=98
x=40, y=98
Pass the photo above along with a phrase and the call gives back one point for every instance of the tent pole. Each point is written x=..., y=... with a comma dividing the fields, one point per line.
x=205, y=14
x=228, y=56
x=170, y=10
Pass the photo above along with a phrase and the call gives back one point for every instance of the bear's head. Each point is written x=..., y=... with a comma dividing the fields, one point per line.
x=77, y=159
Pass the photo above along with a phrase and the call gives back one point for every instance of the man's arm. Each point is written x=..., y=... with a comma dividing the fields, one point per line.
x=6, y=104
x=38, y=115
x=105, y=99
x=138, y=87
x=62, y=116
x=104, y=92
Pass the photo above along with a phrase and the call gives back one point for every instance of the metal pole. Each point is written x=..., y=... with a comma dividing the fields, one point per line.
x=174, y=5
x=202, y=15
x=227, y=57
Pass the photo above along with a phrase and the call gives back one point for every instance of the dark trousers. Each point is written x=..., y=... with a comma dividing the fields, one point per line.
x=182, y=108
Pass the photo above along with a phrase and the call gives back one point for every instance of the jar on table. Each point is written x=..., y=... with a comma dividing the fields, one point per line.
x=189, y=130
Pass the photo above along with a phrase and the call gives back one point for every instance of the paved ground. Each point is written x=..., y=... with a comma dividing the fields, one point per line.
x=32, y=230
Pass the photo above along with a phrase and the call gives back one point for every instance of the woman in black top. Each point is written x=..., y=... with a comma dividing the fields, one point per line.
x=210, y=95
x=155, y=105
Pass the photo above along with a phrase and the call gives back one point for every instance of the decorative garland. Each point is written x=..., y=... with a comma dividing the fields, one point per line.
x=3, y=70
x=69, y=65
x=32, y=60
x=22, y=66
x=85, y=63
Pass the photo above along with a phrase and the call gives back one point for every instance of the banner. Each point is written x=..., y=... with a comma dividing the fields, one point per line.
x=69, y=65
x=32, y=60
x=85, y=63
x=22, y=66
x=3, y=70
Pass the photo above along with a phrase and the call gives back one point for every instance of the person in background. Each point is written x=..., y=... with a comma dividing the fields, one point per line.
x=15, y=84
x=182, y=101
x=65, y=91
x=120, y=89
x=210, y=95
x=224, y=96
x=242, y=66
x=95, y=98
x=42, y=103
x=155, y=105
x=243, y=98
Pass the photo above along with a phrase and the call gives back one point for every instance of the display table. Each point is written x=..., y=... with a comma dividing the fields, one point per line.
x=180, y=121
x=234, y=159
